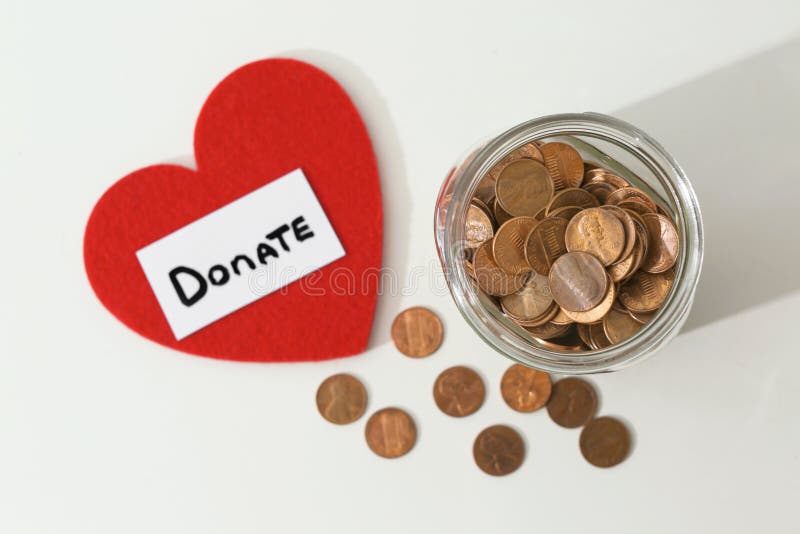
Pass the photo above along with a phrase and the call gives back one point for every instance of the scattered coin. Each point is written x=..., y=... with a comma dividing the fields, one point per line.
x=605, y=442
x=417, y=332
x=391, y=433
x=458, y=391
x=573, y=402
x=498, y=450
x=525, y=389
x=578, y=281
x=341, y=399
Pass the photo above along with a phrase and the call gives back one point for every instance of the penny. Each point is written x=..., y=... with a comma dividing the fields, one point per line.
x=545, y=243
x=635, y=206
x=498, y=450
x=597, y=337
x=530, y=150
x=548, y=330
x=524, y=187
x=583, y=333
x=500, y=215
x=531, y=301
x=525, y=389
x=508, y=246
x=578, y=281
x=628, y=225
x=458, y=391
x=598, y=232
x=619, y=326
x=641, y=318
x=572, y=403
x=391, y=433
x=662, y=251
x=624, y=268
x=645, y=292
x=597, y=313
x=573, y=196
x=600, y=190
x=417, y=332
x=569, y=342
x=599, y=175
x=478, y=227
x=567, y=212
x=564, y=164
x=630, y=193
x=341, y=399
x=605, y=442
x=490, y=277
x=545, y=317
x=561, y=318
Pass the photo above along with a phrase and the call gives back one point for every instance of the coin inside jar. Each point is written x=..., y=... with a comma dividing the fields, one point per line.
x=578, y=281
x=605, y=442
x=619, y=326
x=478, y=227
x=417, y=332
x=663, y=248
x=598, y=232
x=498, y=450
x=508, y=244
x=564, y=164
x=573, y=402
x=524, y=187
x=525, y=389
x=490, y=277
x=545, y=244
x=531, y=301
x=390, y=433
x=458, y=391
x=341, y=399
x=645, y=292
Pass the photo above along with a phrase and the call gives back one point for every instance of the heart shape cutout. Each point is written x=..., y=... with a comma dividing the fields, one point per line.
x=264, y=120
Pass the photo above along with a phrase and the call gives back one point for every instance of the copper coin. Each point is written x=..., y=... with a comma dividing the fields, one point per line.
x=500, y=215
x=573, y=402
x=578, y=281
x=605, y=442
x=564, y=164
x=545, y=244
x=646, y=292
x=630, y=229
x=597, y=313
x=478, y=227
x=600, y=190
x=530, y=151
x=508, y=245
x=458, y=391
x=485, y=189
x=417, y=332
x=524, y=187
x=525, y=389
x=598, y=232
x=599, y=175
x=619, y=326
x=530, y=302
x=569, y=342
x=662, y=251
x=561, y=318
x=548, y=330
x=635, y=206
x=624, y=268
x=391, y=433
x=566, y=213
x=573, y=196
x=642, y=318
x=597, y=337
x=631, y=193
x=341, y=399
x=498, y=450
x=545, y=317
x=490, y=277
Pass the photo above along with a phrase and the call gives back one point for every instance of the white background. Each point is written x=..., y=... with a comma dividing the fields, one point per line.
x=102, y=431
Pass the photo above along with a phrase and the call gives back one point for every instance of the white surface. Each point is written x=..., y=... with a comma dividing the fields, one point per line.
x=239, y=228
x=103, y=431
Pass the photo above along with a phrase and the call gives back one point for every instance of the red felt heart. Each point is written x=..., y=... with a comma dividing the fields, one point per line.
x=262, y=121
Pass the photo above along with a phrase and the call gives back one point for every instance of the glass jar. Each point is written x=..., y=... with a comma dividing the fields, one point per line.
x=622, y=149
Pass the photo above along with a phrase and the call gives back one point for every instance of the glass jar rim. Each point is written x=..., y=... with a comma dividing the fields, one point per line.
x=689, y=223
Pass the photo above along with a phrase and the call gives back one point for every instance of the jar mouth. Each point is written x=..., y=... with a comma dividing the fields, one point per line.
x=509, y=340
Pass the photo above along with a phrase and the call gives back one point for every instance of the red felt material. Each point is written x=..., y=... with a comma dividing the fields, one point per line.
x=262, y=121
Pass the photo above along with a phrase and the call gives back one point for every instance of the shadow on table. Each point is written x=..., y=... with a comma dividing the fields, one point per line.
x=736, y=132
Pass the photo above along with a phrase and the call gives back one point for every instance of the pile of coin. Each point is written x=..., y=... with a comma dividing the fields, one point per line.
x=568, y=250
x=460, y=391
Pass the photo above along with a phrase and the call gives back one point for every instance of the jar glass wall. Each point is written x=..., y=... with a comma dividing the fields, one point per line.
x=622, y=149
